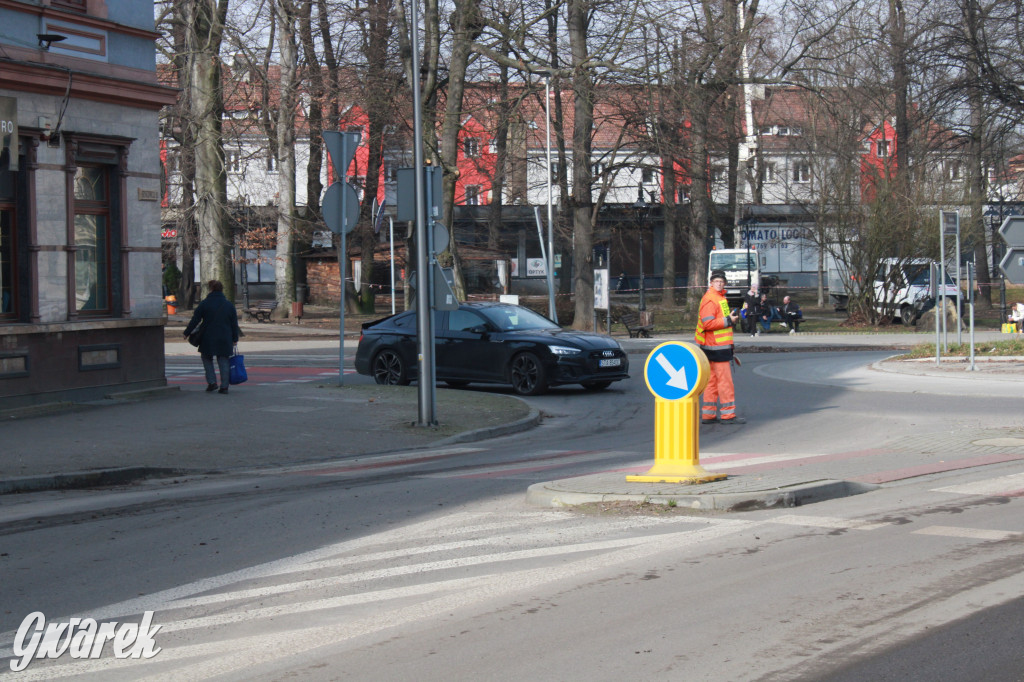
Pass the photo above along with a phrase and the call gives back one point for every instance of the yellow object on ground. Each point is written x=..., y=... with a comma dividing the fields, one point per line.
x=676, y=373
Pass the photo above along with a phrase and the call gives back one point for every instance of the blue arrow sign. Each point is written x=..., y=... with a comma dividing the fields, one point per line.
x=674, y=371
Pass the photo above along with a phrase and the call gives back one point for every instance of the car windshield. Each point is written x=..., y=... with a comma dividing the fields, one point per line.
x=512, y=318
x=919, y=274
x=733, y=262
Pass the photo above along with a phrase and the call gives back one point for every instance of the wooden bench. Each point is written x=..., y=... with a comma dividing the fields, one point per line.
x=635, y=327
x=260, y=310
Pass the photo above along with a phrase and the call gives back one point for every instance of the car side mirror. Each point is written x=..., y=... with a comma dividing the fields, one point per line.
x=479, y=329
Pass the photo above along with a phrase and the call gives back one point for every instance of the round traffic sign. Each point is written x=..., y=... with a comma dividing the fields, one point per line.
x=676, y=370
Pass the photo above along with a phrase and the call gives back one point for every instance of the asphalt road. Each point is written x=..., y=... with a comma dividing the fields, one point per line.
x=433, y=568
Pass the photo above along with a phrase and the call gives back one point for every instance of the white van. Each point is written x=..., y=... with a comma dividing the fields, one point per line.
x=902, y=283
x=742, y=270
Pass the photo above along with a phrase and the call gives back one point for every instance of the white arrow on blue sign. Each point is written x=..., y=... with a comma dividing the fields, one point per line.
x=672, y=372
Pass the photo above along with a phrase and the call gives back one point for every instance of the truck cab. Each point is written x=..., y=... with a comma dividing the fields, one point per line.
x=742, y=269
x=903, y=286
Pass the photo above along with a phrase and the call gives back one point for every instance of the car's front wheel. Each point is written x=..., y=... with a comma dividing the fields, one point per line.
x=528, y=375
x=389, y=369
x=908, y=316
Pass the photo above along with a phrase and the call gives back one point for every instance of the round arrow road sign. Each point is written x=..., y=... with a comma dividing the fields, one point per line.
x=676, y=370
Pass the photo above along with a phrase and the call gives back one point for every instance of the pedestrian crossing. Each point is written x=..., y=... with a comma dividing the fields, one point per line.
x=258, y=376
x=339, y=594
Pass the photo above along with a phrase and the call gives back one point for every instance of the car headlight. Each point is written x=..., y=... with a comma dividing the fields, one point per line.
x=565, y=350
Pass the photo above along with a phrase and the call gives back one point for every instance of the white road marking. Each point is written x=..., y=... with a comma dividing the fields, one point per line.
x=552, y=460
x=289, y=408
x=826, y=522
x=972, y=533
x=1001, y=485
x=709, y=460
x=244, y=652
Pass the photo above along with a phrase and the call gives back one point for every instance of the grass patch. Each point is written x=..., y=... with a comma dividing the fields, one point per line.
x=1010, y=347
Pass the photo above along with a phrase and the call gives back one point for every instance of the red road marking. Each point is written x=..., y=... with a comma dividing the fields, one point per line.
x=938, y=467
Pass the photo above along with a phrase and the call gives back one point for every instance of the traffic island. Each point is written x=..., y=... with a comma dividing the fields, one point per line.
x=737, y=493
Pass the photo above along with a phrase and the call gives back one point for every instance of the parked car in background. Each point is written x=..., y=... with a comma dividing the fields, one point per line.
x=496, y=343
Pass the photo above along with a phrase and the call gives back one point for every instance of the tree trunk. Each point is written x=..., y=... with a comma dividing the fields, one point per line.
x=284, y=264
x=581, y=200
x=699, y=200
x=203, y=39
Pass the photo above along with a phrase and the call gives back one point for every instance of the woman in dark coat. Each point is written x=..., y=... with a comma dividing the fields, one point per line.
x=220, y=333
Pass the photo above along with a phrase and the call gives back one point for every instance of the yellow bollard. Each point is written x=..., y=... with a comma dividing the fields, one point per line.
x=677, y=377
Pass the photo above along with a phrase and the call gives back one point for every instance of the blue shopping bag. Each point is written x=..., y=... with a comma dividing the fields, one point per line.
x=237, y=375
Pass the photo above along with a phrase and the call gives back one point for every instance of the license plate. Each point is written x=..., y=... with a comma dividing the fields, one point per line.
x=613, y=362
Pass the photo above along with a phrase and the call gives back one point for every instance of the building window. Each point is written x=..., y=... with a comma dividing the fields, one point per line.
x=233, y=160
x=597, y=170
x=796, y=130
x=92, y=239
x=271, y=162
x=390, y=172
x=8, y=248
x=770, y=172
x=801, y=171
x=783, y=130
x=882, y=148
x=472, y=195
x=766, y=130
x=554, y=173
x=647, y=176
x=78, y=5
x=471, y=147
x=718, y=174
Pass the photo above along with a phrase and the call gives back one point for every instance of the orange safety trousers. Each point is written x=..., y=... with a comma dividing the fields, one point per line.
x=719, y=395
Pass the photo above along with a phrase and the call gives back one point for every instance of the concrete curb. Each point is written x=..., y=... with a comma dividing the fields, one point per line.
x=86, y=479
x=528, y=422
x=558, y=494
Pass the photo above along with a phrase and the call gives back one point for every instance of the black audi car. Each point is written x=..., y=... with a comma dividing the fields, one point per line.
x=492, y=343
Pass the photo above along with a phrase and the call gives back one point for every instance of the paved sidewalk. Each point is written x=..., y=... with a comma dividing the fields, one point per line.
x=192, y=432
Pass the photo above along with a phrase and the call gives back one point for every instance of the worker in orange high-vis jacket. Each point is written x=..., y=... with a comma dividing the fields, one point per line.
x=714, y=336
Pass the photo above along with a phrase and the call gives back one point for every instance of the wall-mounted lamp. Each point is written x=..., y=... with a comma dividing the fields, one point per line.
x=46, y=39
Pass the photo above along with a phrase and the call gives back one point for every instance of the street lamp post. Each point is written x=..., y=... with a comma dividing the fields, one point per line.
x=641, y=208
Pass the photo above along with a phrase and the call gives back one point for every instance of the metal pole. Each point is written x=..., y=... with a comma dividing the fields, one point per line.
x=970, y=299
x=942, y=281
x=959, y=301
x=391, y=236
x=552, y=313
x=424, y=320
x=342, y=257
x=643, y=298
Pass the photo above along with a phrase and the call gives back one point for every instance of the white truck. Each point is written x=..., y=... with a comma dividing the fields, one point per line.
x=742, y=270
x=903, y=286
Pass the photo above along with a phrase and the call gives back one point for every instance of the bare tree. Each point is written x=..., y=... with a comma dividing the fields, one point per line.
x=204, y=22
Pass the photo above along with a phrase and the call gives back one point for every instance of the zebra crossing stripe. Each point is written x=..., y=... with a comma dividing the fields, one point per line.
x=971, y=533
x=1002, y=486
